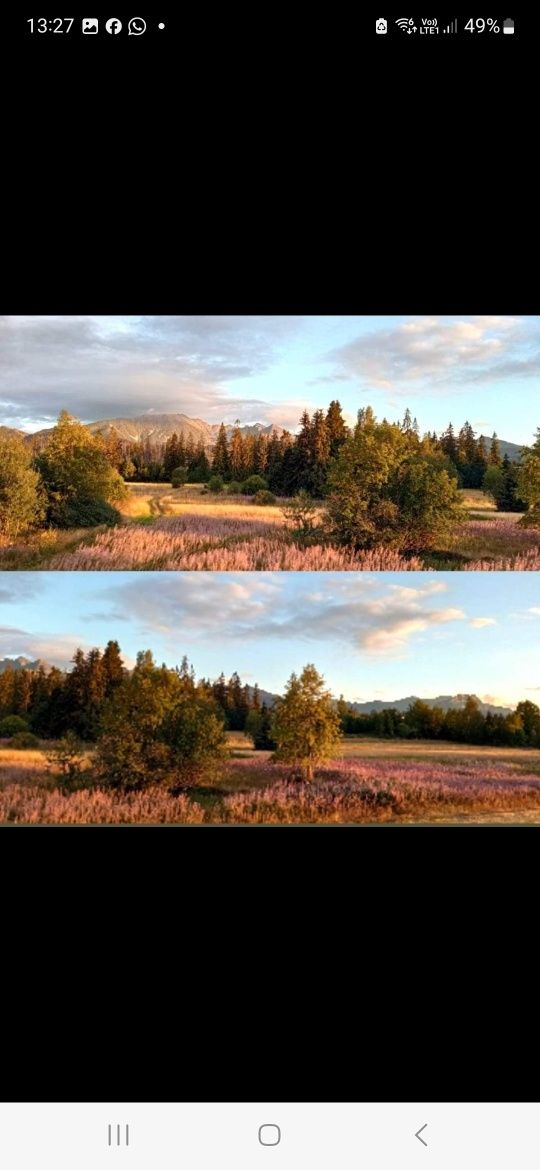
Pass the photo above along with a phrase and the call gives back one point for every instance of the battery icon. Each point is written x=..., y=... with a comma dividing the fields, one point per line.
x=508, y=26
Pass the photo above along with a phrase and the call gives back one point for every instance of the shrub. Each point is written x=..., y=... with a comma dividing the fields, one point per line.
x=67, y=756
x=25, y=739
x=263, y=498
x=195, y=734
x=82, y=513
x=12, y=725
x=254, y=484
x=179, y=477
x=234, y=488
x=215, y=483
x=301, y=515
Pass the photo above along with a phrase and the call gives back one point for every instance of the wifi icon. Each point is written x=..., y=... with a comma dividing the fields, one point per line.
x=407, y=24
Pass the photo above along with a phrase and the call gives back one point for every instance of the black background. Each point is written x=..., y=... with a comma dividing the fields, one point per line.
x=249, y=163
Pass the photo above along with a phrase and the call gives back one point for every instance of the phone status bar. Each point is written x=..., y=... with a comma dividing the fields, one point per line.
x=413, y=27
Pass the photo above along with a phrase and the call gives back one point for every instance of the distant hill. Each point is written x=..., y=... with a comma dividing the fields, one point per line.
x=7, y=431
x=157, y=428
x=22, y=663
x=447, y=702
x=510, y=449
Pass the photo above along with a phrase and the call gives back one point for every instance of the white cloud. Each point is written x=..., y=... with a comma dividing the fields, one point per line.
x=361, y=612
x=104, y=367
x=430, y=350
x=480, y=622
x=55, y=648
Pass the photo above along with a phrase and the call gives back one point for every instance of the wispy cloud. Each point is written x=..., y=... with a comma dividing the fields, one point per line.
x=479, y=622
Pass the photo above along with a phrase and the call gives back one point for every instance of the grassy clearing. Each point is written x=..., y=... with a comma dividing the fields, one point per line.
x=372, y=782
x=188, y=528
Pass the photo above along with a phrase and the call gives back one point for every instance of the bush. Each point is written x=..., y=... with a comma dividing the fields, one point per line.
x=195, y=735
x=254, y=484
x=25, y=739
x=264, y=498
x=179, y=477
x=68, y=756
x=215, y=483
x=234, y=488
x=82, y=513
x=12, y=725
x=301, y=514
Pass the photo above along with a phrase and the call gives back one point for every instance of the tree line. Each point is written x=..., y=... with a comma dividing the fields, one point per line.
x=99, y=693
x=381, y=482
x=49, y=702
x=159, y=726
x=466, y=724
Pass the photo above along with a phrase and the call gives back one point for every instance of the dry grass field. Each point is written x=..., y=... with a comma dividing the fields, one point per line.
x=374, y=782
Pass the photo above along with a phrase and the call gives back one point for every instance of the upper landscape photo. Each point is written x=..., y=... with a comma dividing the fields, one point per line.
x=269, y=443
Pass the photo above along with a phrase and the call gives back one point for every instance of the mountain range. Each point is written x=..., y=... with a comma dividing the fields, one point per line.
x=447, y=702
x=22, y=663
x=157, y=428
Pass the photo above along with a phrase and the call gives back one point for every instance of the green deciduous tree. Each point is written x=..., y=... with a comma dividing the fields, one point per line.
x=306, y=724
x=384, y=489
x=528, y=483
x=157, y=730
x=194, y=732
x=76, y=472
x=21, y=494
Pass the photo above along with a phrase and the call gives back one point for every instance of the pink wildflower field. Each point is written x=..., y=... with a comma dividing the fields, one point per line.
x=224, y=540
x=258, y=792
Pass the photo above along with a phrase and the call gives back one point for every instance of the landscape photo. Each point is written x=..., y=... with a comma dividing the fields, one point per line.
x=294, y=698
x=269, y=443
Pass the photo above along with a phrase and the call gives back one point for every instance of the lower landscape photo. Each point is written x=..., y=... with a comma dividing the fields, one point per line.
x=369, y=699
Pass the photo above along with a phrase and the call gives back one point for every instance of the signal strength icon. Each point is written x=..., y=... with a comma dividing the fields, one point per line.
x=451, y=28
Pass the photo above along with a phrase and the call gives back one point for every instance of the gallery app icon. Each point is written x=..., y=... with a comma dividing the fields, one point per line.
x=90, y=24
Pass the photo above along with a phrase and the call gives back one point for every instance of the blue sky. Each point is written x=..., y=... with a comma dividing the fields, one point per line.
x=373, y=635
x=268, y=369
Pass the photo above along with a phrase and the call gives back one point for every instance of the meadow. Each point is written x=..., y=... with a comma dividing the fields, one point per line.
x=189, y=529
x=373, y=782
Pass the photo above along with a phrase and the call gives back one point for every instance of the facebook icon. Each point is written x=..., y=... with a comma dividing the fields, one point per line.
x=114, y=26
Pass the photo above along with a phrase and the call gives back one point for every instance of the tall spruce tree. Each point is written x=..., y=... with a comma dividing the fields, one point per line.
x=221, y=464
